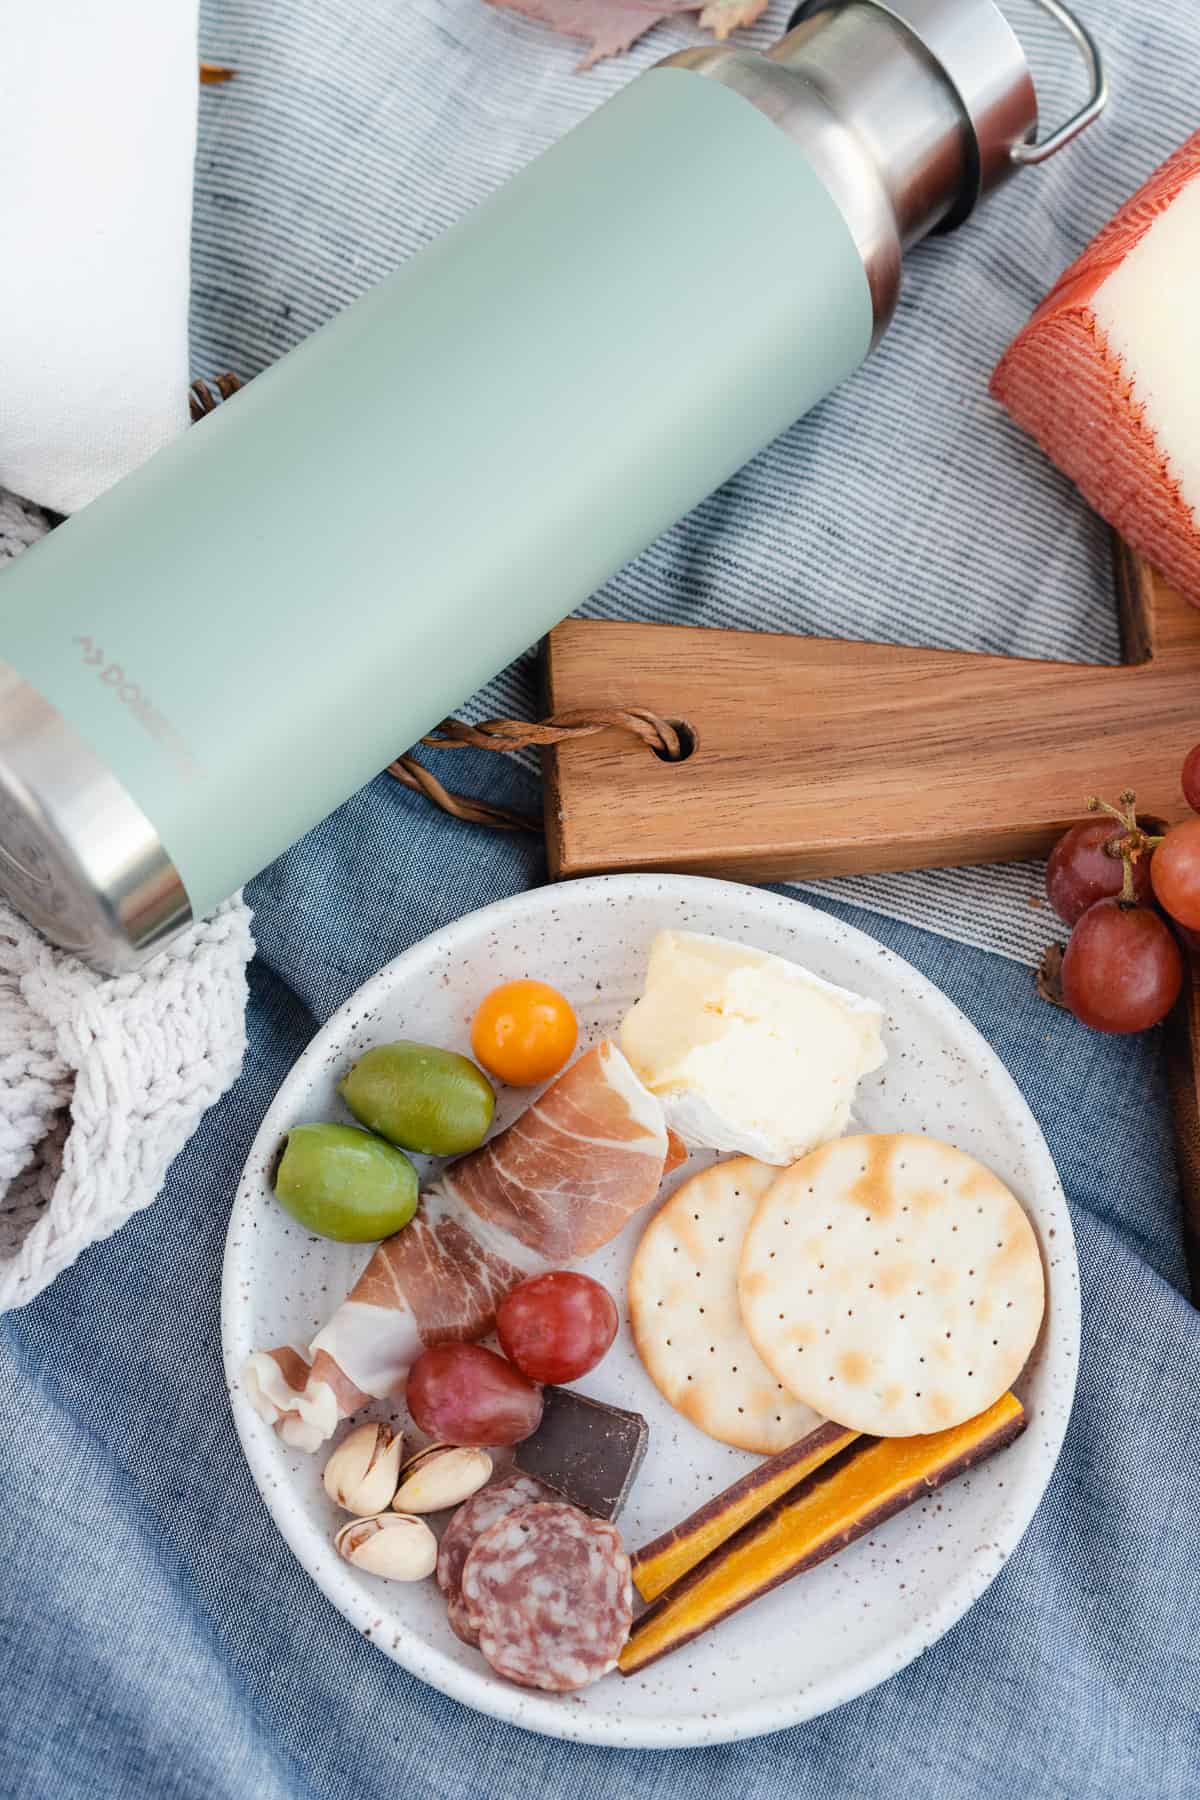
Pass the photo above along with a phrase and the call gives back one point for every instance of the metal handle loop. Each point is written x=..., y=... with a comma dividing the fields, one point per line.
x=1025, y=154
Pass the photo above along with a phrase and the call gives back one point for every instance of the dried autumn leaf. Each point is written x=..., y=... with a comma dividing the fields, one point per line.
x=723, y=16
x=212, y=73
x=1049, y=976
x=610, y=26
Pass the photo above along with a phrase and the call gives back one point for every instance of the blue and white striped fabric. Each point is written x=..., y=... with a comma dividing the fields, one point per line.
x=907, y=509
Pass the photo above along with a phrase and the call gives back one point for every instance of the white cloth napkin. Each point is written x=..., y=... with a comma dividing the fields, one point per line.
x=97, y=144
x=102, y=1081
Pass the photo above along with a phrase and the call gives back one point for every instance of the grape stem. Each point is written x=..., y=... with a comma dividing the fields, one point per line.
x=1133, y=844
x=1128, y=897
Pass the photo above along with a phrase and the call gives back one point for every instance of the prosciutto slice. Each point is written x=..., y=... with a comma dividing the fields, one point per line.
x=558, y=1183
x=572, y=1170
x=303, y=1401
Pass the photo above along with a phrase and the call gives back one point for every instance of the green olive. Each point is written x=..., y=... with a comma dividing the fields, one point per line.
x=433, y=1101
x=345, y=1183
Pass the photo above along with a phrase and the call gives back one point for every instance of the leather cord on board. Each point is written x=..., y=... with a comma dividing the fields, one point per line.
x=656, y=733
x=202, y=400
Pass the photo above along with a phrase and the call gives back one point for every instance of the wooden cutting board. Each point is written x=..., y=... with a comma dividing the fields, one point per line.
x=815, y=756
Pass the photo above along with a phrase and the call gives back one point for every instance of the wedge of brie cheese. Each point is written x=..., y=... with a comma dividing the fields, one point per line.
x=746, y=1051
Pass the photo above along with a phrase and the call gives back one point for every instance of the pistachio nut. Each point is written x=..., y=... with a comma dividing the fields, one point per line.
x=441, y=1476
x=395, y=1545
x=362, y=1473
x=421, y=1455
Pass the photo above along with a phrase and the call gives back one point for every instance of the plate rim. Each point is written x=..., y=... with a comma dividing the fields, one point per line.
x=547, y=1716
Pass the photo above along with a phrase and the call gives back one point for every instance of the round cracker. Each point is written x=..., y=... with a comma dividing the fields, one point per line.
x=686, y=1323
x=893, y=1282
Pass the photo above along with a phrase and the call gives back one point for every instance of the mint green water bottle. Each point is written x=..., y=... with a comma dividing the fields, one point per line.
x=515, y=413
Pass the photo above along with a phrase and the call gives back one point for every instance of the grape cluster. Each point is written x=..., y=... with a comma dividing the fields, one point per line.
x=1112, y=880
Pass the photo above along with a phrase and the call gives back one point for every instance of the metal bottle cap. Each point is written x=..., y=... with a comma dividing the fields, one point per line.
x=979, y=55
x=908, y=110
x=78, y=856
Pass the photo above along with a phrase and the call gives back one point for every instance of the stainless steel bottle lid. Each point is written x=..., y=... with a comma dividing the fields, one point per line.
x=979, y=55
x=78, y=856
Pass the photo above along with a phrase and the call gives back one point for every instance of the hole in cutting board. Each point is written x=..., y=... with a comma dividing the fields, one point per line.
x=688, y=742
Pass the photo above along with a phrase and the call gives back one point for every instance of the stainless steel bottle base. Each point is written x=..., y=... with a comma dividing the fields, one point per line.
x=78, y=857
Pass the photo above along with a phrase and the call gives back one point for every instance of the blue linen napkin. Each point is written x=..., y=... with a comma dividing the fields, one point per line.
x=156, y=1636
x=158, y=1641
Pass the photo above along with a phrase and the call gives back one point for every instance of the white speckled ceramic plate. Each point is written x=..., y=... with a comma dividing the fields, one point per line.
x=835, y=1631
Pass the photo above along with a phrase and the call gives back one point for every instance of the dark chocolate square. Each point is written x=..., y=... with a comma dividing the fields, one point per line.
x=586, y=1451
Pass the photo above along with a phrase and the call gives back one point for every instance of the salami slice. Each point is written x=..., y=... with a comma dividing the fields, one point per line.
x=547, y=1592
x=473, y=1517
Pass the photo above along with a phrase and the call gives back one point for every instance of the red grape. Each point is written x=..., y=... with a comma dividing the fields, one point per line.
x=464, y=1394
x=1122, y=969
x=556, y=1327
x=1175, y=872
x=1080, y=870
x=1190, y=778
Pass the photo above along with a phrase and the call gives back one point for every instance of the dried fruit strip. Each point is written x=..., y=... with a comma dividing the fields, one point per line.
x=659, y=1564
x=871, y=1481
